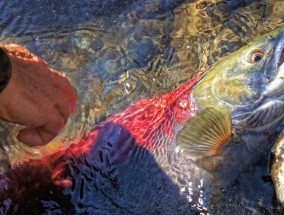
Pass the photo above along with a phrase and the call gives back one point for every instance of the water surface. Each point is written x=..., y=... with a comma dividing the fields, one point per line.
x=117, y=52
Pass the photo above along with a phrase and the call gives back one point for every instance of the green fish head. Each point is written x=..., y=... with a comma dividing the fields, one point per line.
x=248, y=83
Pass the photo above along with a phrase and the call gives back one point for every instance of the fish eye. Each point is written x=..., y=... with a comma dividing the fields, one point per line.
x=256, y=57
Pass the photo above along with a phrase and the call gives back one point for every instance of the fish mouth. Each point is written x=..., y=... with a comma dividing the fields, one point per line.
x=276, y=86
x=268, y=110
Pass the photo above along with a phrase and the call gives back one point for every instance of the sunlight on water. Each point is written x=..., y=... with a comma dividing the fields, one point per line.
x=117, y=52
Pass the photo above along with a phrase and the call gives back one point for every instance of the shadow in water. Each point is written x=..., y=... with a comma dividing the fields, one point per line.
x=114, y=176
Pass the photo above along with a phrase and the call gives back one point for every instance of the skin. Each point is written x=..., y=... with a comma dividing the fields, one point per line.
x=37, y=97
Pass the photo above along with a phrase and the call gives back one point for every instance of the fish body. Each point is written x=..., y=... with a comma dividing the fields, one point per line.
x=164, y=155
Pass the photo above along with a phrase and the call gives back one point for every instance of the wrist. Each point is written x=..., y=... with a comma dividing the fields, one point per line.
x=5, y=70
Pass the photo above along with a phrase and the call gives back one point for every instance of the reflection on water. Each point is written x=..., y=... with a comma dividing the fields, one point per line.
x=117, y=52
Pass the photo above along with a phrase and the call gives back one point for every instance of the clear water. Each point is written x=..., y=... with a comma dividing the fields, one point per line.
x=117, y=52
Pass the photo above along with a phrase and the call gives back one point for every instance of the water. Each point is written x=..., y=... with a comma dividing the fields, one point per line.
x=117, y=52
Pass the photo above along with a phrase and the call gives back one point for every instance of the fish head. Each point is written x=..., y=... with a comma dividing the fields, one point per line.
x=248, y=83
x=240, y=100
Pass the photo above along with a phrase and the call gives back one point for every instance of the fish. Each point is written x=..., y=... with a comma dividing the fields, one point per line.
x=169, y=154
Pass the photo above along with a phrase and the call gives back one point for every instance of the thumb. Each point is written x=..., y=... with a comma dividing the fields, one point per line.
x=34, y=136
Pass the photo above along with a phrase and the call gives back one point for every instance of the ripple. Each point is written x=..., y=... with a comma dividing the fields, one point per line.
x=117, y=52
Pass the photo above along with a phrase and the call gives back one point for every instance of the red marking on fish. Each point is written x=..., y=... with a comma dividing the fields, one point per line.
x=148, y=118
x=145, y=121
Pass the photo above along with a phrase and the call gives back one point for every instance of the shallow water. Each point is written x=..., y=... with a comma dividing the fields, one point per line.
x=117, y=52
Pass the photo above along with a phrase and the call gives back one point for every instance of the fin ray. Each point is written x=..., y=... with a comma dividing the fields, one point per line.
x=207, y=132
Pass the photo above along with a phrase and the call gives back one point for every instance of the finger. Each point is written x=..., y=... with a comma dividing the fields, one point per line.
x=69, y=94
x=30, y=137
x=63, y=107
x=40, y=135
x=66, y=88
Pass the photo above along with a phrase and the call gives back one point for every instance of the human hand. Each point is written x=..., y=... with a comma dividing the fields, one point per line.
x=36, y=96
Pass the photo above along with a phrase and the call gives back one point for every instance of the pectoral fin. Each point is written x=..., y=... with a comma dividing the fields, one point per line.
x=207, y=133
